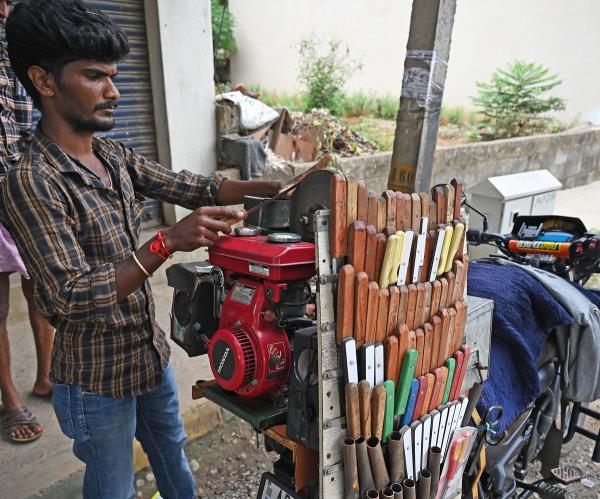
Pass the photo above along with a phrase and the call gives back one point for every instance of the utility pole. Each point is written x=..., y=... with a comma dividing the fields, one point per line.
x=418, y=118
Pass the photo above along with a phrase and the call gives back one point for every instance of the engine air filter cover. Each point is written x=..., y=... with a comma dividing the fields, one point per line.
x=232, y=358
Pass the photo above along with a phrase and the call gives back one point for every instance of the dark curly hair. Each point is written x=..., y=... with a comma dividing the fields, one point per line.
x=52, y=33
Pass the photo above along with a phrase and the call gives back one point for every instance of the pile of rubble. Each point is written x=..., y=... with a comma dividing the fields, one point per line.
x=248, y=129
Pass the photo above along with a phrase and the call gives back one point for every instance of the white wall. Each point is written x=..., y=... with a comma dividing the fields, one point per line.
x=561, y=34
x=180, y=43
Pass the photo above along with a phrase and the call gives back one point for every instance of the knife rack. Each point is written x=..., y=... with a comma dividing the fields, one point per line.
x=330, y=370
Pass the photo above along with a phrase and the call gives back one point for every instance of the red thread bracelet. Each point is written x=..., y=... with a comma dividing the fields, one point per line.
x=159, y=248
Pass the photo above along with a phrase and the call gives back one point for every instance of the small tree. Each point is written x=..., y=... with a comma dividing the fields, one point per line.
x=324, y=76
x=513, y=102
x=224, y=44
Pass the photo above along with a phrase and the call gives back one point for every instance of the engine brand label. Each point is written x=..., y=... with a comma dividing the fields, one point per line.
x=539, y=245
x=276, y=356
x=256, y=268
x=243, y=293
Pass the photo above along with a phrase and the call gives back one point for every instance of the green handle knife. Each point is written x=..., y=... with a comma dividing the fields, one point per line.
x=406, y=376
x=388, y=420
x=451, y=365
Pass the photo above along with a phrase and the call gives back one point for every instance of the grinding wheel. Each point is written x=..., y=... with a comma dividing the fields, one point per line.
x=311, y=195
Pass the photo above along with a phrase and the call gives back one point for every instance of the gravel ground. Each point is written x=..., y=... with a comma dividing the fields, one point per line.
x=227, y=463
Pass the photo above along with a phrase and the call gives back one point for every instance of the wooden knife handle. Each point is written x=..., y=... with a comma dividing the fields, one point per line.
x=392, y=370
x=378, y=410
x=437, y=193
x=433, y=214
x=382, y=315
x=337, y=232
x=420, y=338
x=411, y=306
x=352, y=411
x=436, y=293
x=357, y=242
x=449, y=193
x=458, y=268
x=451, y=327
x=427, y=302
x=351, y=200
x=423, y=381
x=403, y=216
x=403, y=340
x=424, y=204
x=362, y=203
x=444, y=293
x=420, y=305
x=436, y=323
x=392, y=320
x=371, y=252
x=390, y=208
x=381, y=214
x=372, y=309
x=459, y=327
x=364, y=399
x=451, y=278
x=380, y=255
x=361, y=294
x=428, y=348
x=443, y=353
x=435, y=394
x=430, y=384
x=415, y=209
x=345, y=303
x=372, y=209
x=403, y=305
x=458, y=188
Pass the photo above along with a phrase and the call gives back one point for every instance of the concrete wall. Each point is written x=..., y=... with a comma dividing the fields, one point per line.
x=180, y=43
x=487, y=34
x=572, y=157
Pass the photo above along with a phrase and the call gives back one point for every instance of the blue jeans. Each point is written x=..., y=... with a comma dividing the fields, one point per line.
x=103, y=429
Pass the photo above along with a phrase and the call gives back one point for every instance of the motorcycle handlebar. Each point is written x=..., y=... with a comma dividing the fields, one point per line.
x=478, y=236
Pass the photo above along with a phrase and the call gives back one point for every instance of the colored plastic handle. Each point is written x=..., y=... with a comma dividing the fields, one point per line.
x=388, y=421
x=404, y=383
x=451, y=366
x=410, y=405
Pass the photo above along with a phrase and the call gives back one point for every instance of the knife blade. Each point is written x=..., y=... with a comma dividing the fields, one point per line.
x=416, y=428
x=426, y=424
x=437, y=254
x=405, y=257
x=420, y=250
x=345, y=303
x=349, y=355
x=366, y=363
x=407, y=443
x=379, y=364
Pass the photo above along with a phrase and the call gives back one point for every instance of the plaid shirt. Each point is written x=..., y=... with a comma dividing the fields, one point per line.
x=15, y=115
x=72, y=231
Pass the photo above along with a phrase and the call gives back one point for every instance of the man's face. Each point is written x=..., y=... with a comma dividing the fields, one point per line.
x=4, y=9
x=87, y=96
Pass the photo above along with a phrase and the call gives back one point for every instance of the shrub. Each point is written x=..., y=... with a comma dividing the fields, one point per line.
x=324, y=75
x=513, y=102
x=222, y=31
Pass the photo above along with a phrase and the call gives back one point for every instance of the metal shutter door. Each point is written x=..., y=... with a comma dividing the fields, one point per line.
x=135, y=114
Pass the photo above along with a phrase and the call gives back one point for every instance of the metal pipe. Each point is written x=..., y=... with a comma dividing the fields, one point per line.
x=397, y=490
x=435, y=462
x=386, y=493
x=408, y=489
x=365, y=476
x=424, y=485
x=372, y=494
x=350, y=470
x=396, y=451
x=380, y=474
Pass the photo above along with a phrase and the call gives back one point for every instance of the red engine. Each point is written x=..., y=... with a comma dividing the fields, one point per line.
x=250, y=352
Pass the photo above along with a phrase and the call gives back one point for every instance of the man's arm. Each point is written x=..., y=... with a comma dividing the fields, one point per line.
x=37, y=214
x=187, y=189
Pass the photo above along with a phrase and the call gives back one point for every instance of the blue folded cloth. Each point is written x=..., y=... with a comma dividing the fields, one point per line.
x=524, y=312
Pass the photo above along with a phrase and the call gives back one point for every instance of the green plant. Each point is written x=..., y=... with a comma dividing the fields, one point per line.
x=325, y=74
x=513, y=102
x=222, y=31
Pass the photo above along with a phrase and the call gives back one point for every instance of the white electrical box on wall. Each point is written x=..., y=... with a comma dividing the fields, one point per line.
x=502, y=198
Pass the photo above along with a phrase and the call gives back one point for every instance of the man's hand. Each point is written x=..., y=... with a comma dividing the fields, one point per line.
x=201, y=228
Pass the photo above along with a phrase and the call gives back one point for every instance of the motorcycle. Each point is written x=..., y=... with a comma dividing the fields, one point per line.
x=560, y=245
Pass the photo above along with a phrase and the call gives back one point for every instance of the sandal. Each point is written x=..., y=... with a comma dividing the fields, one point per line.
x=15, y=418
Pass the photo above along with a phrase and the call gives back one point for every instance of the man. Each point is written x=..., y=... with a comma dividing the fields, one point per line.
x=15, y=126
x=71, y=206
